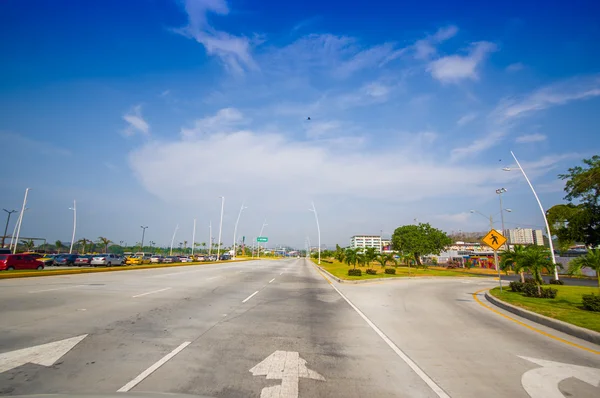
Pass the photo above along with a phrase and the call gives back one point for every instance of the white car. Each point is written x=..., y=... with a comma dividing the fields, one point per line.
x=107, y=259
x=156, y=259
x=185, y=259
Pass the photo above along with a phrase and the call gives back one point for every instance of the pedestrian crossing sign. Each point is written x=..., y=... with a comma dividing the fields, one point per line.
x=494, y=239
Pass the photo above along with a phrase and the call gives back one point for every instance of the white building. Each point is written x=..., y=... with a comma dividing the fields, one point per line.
x=362, y=241
x=524, y=236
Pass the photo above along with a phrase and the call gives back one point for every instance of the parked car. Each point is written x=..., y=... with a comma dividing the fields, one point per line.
x=47, y=261
x=9, y=262
x=200, y=258
x=157, y=259
x=83, y=260
x=106, y=259
x=185, y=259
x=225, y=256
x=65, y=259
x=171, y=259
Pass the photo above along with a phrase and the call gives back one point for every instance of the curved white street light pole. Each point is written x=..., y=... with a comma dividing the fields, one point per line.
x=12, y=237
x=193, y=237
x=260, y=234
x=220, y=228
x=74, y=208
x=209, y=238
x=235, y=230
x=20, y=220
x=543, y=213
x=173, y=240
x=314, y=210
x=500, y=192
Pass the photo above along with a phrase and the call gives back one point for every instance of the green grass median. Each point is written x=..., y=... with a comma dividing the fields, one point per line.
x=566, y=307
x=340, y=270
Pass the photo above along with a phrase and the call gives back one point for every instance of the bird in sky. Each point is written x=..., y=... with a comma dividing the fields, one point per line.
x=308, y=118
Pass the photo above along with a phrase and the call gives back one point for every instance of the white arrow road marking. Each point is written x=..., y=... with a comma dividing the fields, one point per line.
x=543, y=382
x=288, y=367
x=44, y=354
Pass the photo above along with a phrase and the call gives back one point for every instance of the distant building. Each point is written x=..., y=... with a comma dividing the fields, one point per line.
x=524, y=236
x=362, y=241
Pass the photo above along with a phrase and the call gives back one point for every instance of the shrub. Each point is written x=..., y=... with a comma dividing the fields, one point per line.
x=354, y=272
x=390, y=271
x=556, y=282
x=591, y=302
x=531, y=290
x=530, y=280
x=516, y=286
x=371, y=271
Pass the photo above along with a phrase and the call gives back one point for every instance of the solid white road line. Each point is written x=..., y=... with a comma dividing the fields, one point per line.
x=271, y=280
x=214, y=277
x=281, y=273
x=152, y=292
x=153, y=368
x=250, y=296
x=57, y=288
x=436, y=389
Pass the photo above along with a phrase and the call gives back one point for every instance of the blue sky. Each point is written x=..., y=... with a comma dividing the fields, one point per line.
x=147, y=111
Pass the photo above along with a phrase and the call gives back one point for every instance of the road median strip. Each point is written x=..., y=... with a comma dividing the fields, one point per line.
x=17, y=274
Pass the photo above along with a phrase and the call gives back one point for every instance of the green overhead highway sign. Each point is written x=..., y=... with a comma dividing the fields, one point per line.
x=262, y=239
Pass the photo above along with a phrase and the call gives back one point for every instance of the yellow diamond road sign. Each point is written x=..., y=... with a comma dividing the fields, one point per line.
x=494, y=239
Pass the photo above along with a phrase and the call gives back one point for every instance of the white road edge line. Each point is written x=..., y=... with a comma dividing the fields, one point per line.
x=57, y=288
x=436, y=389
x=271, y=280
x=152, y=368
x=152, y=292
x=250, y=296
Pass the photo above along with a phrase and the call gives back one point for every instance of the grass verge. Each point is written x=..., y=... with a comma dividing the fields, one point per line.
x=50, y=272
x=340, y=270
x=566, y=307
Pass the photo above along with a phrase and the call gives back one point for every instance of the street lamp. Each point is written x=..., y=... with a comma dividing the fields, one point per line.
x=519, y=167
x=260, y=234
x=74, y=208
x=20, y=222
x=10, y=212
x=194, y=237
x=143, y=234
x=314, y=210
x=499, y=192
x=173, y=239
x=12, y=237
x=220, y=228
x=235, y=230
x=152, y=243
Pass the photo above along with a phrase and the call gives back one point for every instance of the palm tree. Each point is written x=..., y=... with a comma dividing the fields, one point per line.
x=407, y=259
x=83, y=242
x=339, y=254
x=350, y=256
x=382, y=260
x=204, y=246
x=590, y=260
x=361, y=258
x=28, y=244
x=58, y=245
x=391, y=259
x=185, y=242
x=370, y=253
x=509, y=260
x=536, y=259
x=105, y=242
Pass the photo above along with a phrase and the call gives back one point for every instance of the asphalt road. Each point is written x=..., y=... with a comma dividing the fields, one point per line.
x=274, y=329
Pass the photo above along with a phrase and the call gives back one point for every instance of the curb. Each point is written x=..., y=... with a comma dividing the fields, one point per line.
x=14, y=275
x=572, y=330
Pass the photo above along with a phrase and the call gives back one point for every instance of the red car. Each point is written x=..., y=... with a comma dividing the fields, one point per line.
x=9, y=262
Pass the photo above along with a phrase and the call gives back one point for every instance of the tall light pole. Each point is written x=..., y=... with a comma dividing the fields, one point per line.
x=209, y=238
x=152, y=243
x=314, y=210
x=260, y=234
x=220, y=227
x=173, y=239
x=541, y=209
x=74, y=208
x=20, y=220
x=499, y=192
x=235, y=230
x=10, y=212
x=193, y=237
x=14, y=232
x=143, y=234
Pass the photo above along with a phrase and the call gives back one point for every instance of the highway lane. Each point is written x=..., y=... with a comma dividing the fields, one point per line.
x=224, y=319
x=267, y=327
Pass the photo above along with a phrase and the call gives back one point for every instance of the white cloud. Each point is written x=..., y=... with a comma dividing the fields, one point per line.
x=226, y=120
x=376, y=89
x=234, y=51
x=517, y=66
x=469, y=117
x=319, y=129
x=136, y=122
x=529, y=138
x=267, y=167
x=425, y=48
x=478, y=145
x=454, y=68
x=579, y=88
x=454, y=218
